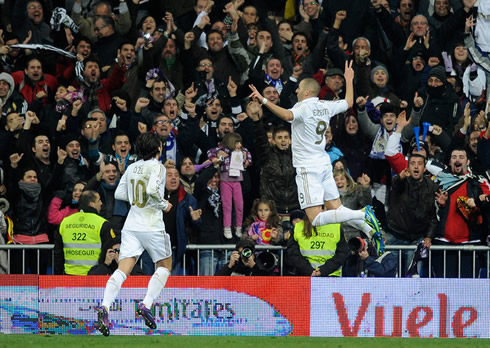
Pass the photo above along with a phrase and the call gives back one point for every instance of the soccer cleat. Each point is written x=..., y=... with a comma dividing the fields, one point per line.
x=147, y=316
x=379, y=243
x=371, y=219
x=103, y=320
x=377, y=235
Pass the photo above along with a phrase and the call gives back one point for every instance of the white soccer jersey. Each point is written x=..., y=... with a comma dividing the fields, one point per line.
x=143, y=186
x=311, y=119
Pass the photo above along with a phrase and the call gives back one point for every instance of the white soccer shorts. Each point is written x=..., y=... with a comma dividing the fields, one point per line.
x=134, y=243
x=315, y=185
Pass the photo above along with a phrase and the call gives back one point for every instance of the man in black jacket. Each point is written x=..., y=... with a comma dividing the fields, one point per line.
x=412, y=211
x=278, y=176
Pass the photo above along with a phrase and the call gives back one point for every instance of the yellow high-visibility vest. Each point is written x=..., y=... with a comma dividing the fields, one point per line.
x=81, y=241
x=321, y=247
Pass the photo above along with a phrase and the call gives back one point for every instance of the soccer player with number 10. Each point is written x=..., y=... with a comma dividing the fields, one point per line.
x=143, y=186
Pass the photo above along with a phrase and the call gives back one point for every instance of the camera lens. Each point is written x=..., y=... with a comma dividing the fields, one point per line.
x=246, y=253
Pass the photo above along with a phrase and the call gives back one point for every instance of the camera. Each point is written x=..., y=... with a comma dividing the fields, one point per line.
x=147, y=37
x=356, y=244
x=246, y=253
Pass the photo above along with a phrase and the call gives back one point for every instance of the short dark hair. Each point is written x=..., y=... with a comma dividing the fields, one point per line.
x=119, y=133
x=279, y=129
x=125, y=42
x=222, y=116
x=107, y=21
x=212, y=31
x=301, y=33
x=88, y=119
x=458, y=148
x=80, y=38
x=410, y=155
x=39, y=134
x=33, y=57
x=147, y=145
x=87, y=197
x=92, y=58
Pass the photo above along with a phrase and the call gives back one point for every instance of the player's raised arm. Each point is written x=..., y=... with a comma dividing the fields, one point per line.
x=156, y=185
x=349, y=83
x=282, y=113
x=122, y=189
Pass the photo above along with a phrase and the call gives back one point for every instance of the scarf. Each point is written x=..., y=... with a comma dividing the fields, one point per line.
x=448, y=180
x=214, y=201
x=259, y=228
x=275, y=83
x=32, y=190
x=90, y=92
x=379, y=144
x=171, y=148
x=170, y=62
x=120, y=207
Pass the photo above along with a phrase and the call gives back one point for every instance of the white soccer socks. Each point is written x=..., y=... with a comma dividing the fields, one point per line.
x=335, y=216
x=361, y=225
x=156, y=285
x=112, y=287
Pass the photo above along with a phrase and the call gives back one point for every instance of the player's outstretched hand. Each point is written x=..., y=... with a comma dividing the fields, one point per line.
x=169, y=206
x=255, y=96
x=349, y=72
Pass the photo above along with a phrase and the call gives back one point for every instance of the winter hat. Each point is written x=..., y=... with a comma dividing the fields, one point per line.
x=68, y=138
x=10, y=80
x=379, y=67
x=438, y=71
x=387, y=107
x=297, y=214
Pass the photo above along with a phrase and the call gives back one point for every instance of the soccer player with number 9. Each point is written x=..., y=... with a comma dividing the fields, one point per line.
x=309, y=119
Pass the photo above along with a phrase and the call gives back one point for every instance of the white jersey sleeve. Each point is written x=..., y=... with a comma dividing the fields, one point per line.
x=156, y=187
x=122, y=189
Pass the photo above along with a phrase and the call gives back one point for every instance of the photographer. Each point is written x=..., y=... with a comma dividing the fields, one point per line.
x=243, y=261
x=370, y=264
x=109, y=259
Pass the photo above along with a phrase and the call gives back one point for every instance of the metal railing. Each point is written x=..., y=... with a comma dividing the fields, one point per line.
x=279, y=249
x=24, y=247
x=468, y=248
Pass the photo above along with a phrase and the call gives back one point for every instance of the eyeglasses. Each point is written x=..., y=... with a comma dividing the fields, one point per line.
x=313, y=3
x=100, y=28
x=160, y=122
x=204, y=65
x=116, y=250
x=34, y=7
x=88, y=126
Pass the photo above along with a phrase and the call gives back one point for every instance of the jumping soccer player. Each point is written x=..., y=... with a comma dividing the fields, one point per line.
x=309, y=119
x=142, y=185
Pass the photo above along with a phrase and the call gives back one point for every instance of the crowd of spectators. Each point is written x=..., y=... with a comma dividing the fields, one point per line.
x=81, y=80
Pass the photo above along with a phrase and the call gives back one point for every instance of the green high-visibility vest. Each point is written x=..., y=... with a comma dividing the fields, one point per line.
x=81, y=241
x=321, y=247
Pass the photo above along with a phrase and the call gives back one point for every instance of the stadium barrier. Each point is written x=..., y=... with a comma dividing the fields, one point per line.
x=252, y=306
x=485, y=250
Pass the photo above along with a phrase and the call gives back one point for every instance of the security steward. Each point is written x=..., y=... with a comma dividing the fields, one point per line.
x=81, y=236
x=317, y=251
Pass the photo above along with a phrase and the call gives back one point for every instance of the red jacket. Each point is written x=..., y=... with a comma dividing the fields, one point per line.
x=48, y=84
x=113, y=82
